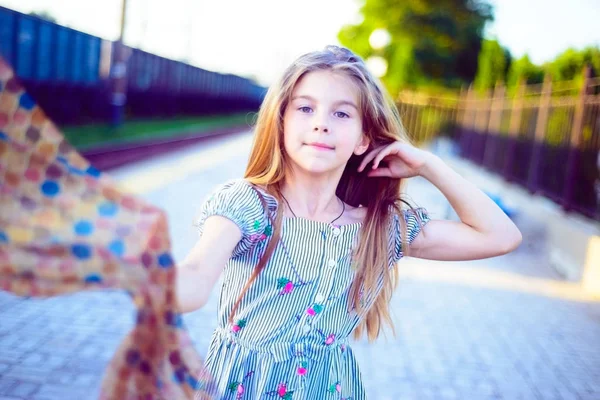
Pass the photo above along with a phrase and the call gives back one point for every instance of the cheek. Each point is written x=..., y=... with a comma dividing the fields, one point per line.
x=290, y=136
x=351, y=138
x=293, y=128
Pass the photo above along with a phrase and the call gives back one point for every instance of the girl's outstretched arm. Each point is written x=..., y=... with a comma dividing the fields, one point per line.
x=484, y=229
x=197, y=274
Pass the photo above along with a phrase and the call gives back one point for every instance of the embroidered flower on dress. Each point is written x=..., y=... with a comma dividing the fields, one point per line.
x=261, y=236
x=330, y=339
x=314, y=309
x=283, y=392
x=255, y=237
x=336, y=387
x=286, y=285
x=238, y=387
x=238, y=326
x=302, y=369
x=268, y=230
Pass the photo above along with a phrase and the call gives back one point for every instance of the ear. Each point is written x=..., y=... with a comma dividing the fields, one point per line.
x=362, y=146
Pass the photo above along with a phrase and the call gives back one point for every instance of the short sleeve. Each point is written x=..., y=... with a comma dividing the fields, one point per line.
x=239, y=202
x=415, y=220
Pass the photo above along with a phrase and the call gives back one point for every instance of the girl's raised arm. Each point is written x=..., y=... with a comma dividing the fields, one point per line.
x=483, y=231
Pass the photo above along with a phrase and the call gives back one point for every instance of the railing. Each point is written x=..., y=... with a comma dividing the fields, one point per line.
x=544, y=137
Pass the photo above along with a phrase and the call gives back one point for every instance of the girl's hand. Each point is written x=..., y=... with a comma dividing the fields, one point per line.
x=403, y=160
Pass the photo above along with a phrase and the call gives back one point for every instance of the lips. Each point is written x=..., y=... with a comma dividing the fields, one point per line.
x=318, y=145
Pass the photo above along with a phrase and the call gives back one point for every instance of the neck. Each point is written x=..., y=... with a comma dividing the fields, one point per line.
x=312, y=197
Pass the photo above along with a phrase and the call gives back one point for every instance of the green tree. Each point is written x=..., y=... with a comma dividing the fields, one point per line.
x=591, y=56
x=524, y=69
x=566, y=66
x=492, y=65
x=432, y=41
x=569, y=64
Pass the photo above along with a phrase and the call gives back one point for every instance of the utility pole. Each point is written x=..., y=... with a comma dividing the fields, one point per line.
x=123, y=19
x=118, y=73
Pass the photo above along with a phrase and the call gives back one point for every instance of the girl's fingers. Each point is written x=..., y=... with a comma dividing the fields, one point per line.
x=382, y=154
x=380, y=172
x=368, y=158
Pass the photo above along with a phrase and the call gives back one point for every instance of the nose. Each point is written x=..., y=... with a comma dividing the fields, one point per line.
x=321, y=125
x=321, y=122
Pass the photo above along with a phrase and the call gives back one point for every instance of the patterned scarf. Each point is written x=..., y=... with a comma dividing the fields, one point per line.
x=67, y=227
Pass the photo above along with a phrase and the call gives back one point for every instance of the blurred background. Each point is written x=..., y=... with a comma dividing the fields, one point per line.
x=163, y=95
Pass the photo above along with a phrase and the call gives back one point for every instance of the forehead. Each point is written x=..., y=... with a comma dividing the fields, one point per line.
x=327, y=86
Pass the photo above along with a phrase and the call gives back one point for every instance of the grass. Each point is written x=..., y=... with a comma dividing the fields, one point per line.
x=88, y=136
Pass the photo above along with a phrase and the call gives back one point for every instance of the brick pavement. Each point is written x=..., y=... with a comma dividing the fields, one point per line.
x=457, y=338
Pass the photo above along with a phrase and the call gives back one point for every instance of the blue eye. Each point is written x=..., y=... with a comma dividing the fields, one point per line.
x=305, y=108
x=343, y=114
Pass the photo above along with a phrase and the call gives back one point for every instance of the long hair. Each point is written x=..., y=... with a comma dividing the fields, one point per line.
x=382, y=125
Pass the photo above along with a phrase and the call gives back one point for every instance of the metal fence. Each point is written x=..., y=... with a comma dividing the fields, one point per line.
x=70, y=75
x=544, y=137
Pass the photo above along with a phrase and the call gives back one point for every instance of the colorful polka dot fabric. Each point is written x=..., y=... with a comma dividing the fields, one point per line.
x=66, y=227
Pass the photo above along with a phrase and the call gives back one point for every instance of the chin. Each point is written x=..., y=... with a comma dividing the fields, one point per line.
x=316, y=168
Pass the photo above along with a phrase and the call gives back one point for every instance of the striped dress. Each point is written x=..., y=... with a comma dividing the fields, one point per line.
x=289, y=339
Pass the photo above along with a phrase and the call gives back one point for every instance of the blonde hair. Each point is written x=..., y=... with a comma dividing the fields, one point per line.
x=382, y=125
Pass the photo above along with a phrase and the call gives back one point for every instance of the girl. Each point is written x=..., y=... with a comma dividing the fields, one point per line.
x=309, y=240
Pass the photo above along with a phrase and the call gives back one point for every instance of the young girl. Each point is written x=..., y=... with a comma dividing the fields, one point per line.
x=309, y=240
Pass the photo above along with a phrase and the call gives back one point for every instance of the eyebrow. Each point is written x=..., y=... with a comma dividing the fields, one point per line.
x=340, y=102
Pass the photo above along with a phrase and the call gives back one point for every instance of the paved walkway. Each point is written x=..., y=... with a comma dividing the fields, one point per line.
x=503, y=328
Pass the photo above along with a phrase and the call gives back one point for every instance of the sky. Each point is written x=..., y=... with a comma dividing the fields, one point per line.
x=259, y=38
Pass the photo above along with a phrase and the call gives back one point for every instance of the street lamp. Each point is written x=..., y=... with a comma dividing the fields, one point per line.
x=377, y=64
x=379, y=39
